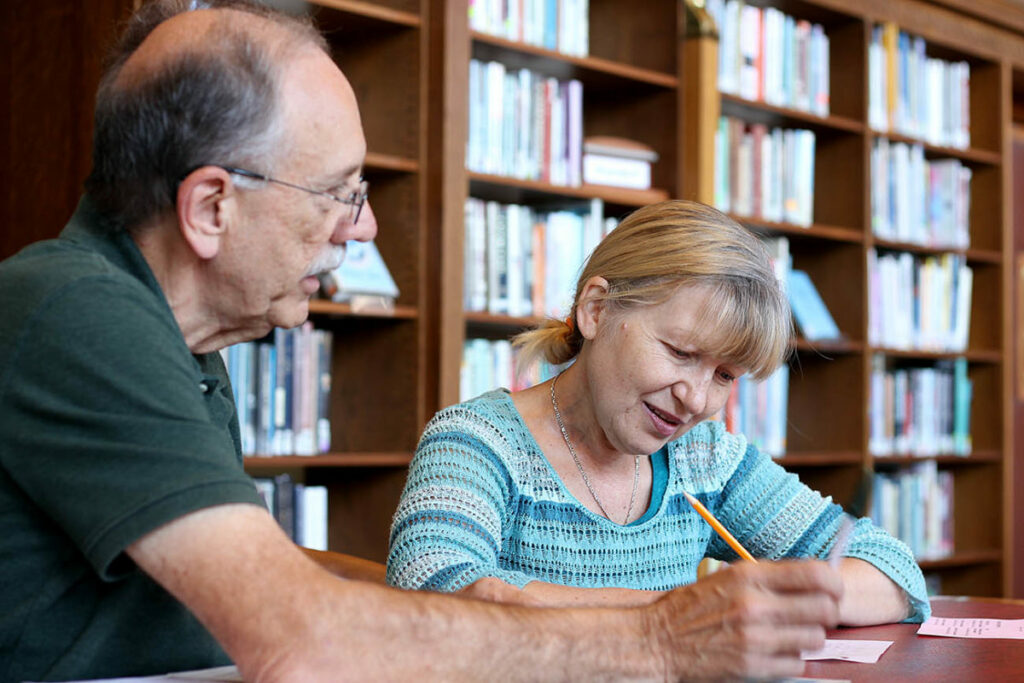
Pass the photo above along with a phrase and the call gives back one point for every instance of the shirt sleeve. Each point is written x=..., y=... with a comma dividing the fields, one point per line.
x=447, y=531
x=106, y=423
x=775, y=516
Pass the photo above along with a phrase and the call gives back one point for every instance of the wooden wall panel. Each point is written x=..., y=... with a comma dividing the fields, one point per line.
x=52, y=59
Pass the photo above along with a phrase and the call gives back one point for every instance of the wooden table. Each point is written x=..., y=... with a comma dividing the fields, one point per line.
x=932, y=658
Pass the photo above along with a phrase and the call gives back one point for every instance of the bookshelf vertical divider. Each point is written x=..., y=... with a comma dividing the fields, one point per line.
x=700, y=106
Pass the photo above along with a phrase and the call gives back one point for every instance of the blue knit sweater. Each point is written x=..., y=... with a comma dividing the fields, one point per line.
x=481, y=500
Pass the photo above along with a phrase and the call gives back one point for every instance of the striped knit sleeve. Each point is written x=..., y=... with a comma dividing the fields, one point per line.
x=447, y=531
x=774, y=515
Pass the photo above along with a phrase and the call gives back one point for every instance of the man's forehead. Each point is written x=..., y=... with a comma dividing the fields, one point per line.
x=322, y=119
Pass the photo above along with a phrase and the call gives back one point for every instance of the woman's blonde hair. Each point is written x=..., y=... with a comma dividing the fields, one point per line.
x=662, y=247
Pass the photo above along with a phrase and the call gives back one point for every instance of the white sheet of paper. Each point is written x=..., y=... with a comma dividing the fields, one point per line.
x=215, y=675
x=956, y=627
x=864, y=651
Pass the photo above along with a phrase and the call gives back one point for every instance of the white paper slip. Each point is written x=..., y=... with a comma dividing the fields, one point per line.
x=214, y=675
x=955, y=627
x=864, y=651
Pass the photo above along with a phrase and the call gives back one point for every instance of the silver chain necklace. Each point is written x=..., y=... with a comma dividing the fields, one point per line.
x=579, y=466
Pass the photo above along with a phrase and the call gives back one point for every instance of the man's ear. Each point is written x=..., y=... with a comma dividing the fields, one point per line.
x=591, y=306
x=205, y=208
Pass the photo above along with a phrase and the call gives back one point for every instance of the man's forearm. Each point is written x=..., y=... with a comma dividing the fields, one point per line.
x=281, y=617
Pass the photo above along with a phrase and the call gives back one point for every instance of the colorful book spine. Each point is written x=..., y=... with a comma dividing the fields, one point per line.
x=524, y=125
x=765, y=173
x=916, y=95
x=919, y=302
x=282, y=392
x=769, y=56
x=916, y=506
x=920, y=411
x=523, y=262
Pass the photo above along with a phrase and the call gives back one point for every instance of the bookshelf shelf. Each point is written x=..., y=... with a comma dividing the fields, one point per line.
x=819, y=231
x=511, y=322
x=972, y=155
x=988, y=356
x=331, y=460
x=594, y=72
x=974, y=255
x=985, y=457
x=368, y=10
x=966, y=559
x=513, y=190
x=376, y=161
x=820, y=459
x=771, y=115
x=983, y=256
x=332, y=308
x=825, y=346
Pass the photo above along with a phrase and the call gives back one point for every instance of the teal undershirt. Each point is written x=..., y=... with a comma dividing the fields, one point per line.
x=659, y=475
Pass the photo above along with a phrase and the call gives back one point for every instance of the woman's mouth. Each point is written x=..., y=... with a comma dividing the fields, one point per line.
x=664, y=423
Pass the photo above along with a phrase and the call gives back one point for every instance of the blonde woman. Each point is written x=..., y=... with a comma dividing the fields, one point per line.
x=571, y=492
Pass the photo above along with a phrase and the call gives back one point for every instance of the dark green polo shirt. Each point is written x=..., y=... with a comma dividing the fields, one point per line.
x=109, y=429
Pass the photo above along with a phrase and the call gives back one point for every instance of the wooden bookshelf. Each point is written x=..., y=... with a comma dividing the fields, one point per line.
x=408, y=63
x=830, y=387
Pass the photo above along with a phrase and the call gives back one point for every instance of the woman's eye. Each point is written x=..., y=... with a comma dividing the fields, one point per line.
x=679, y=353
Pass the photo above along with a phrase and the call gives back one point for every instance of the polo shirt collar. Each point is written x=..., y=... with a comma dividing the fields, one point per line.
x=95, y=231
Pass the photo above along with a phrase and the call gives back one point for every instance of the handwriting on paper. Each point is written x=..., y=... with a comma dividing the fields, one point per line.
x=956, y=627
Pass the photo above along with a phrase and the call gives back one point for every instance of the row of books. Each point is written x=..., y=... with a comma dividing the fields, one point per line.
x=766, y=55
x=282, y=391
x=301, y=510
x=916, y=95
x=560, y=25
x=919, y=200
x=764, y=172
x=524, y=125
x=758, y=409
x=920, y=411
x=916, y=506
x=488, y=365
x=524, y=261
x=919, y=302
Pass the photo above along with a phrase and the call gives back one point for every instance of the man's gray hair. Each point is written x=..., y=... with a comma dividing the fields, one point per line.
x=217, y=105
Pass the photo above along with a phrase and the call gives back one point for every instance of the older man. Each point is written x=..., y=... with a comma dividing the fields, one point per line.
x=228, y=151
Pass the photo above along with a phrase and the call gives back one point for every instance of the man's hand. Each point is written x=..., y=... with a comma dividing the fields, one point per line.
x=747, y=621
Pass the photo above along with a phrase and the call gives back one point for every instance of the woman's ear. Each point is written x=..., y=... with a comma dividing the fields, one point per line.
x=590, y=306
x=204, y=204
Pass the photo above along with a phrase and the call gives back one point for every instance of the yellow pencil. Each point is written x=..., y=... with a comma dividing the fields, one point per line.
x=721, y=530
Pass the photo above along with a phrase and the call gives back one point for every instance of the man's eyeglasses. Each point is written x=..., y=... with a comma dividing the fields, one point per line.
x=355, y=200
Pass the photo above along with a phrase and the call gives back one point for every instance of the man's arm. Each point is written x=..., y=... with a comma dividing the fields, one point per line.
x=281, y=617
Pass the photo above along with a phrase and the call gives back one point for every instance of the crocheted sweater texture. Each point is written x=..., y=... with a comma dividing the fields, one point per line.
x=481, y=500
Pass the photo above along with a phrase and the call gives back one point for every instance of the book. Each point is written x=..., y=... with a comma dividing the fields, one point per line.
x=809, y=310
x=363, y=272
x=617, y=162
